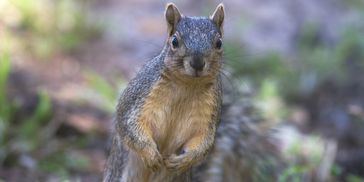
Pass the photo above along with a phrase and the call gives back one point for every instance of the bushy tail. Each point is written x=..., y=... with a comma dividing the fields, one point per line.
x=241, y=151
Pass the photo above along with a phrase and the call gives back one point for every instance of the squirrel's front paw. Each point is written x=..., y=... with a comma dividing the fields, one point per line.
x=180, y=162
x=152, y=158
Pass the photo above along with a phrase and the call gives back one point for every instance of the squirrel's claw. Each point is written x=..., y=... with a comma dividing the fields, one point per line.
x=179, y=162
x=153, y=160
x=154, y=163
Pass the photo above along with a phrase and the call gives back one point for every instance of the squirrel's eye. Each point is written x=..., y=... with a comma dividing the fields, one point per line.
x=218, y=44
x=174, y=42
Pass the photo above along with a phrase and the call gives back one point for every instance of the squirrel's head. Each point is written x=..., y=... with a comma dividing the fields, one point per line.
x=194, y=44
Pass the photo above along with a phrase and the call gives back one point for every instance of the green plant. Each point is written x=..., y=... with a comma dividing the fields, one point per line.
x=336, y=170
x=5, y=67
x=27, y=135
x=315, y=62
x=62, y=161
x=107, y=91
x=246, y=66
x=30, y=129
x=48, y=27
x=354, y=178
x=293, y=173
x=5, y=106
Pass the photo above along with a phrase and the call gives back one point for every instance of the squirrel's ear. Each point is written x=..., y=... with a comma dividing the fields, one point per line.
x=218, y=16
x=173, y=16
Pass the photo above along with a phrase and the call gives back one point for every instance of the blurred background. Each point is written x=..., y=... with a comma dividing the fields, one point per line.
x=64, y=62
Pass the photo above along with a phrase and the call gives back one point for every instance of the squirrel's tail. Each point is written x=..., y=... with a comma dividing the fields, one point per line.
x=241, y=151
x=115, y=163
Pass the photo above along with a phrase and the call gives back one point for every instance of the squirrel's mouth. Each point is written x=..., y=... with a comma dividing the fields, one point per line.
x=194, y=73
x=197, y=73
x=195, y=67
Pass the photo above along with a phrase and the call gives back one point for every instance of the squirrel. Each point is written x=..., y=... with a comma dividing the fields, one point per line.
x=167, y=117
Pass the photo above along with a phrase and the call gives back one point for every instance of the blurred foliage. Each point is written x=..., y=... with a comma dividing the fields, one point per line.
x=358, y=4
x=353, y=178
x=63, y=161
x=302, y=159
x=5, y=67
x=269, y=101
x=315, y=62
x=45, y=27
x=25, y=135
x=107, y=92
x=40, y=29
x=5, y=107
x=281, y=81
x=293, y=174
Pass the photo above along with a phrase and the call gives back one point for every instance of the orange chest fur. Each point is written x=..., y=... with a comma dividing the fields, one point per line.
x=173, y=113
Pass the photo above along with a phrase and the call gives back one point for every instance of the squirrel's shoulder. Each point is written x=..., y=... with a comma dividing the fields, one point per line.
x=139, y=87
x=148, y=74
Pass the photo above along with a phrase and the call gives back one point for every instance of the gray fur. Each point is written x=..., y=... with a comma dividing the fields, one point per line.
x=130, y=102
x=198, y=33
x=132, y=99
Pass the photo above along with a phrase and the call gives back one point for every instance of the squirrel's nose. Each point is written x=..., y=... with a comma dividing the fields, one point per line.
x=197, y=63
